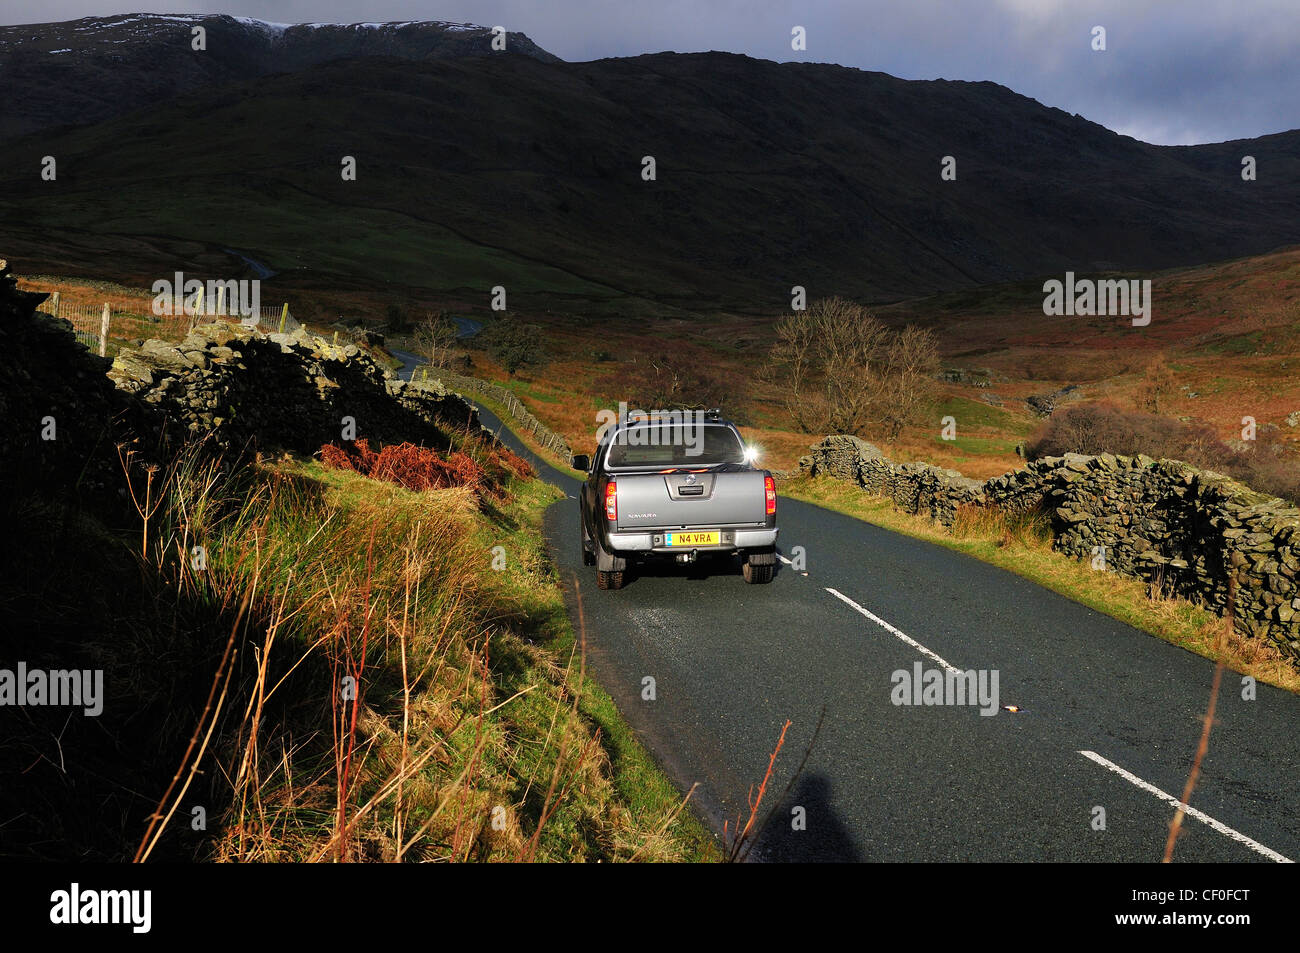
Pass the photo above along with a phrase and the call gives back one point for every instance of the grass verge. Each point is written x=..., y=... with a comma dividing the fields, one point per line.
x=474, y=733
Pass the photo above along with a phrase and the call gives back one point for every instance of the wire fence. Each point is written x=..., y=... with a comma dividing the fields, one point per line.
x=548, y=438
x=98, y=326
x=87, y=324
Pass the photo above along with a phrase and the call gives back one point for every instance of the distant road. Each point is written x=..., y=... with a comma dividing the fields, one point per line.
x=466, y=328
x=1111, y=716
x=261, y=271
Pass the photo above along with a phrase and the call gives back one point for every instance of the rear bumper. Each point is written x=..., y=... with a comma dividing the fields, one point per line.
x=645, y=542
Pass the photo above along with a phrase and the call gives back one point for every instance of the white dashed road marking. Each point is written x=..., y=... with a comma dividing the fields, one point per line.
x=893, y=631
x=1133, y=779
x=1201, y=816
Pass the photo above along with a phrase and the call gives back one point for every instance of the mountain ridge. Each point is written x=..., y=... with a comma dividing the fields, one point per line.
x=517, y=171
x=88, y=70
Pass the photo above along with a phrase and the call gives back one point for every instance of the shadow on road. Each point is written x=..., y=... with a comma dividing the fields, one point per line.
x=823, y=837
x=705, y=567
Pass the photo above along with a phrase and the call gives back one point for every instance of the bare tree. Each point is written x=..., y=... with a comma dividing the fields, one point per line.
x=1159, y=383
x=794, y=353
x=435, y=337
x=845, y=372
x=911, y=363
x=851, y=344
x=828, y=355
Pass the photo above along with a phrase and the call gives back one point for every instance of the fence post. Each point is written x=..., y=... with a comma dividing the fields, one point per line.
x=55, y=301
x=221, y=299
x=103, y=332
x=284, y=316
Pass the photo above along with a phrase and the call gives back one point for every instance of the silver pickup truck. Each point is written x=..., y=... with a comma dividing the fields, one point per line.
x=664, y=487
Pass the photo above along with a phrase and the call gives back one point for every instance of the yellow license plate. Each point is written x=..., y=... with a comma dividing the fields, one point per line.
x=711, y=538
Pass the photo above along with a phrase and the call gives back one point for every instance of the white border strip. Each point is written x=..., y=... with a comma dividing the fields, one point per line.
x=893, y=631
x=1187, y=809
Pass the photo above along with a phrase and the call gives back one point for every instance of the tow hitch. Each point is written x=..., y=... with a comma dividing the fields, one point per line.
x=688, y=557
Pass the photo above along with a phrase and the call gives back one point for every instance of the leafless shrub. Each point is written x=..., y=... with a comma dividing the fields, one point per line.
x=1158, y=384
x=844, y=370
x=435, y=338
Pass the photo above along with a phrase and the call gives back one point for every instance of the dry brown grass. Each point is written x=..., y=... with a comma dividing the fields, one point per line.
x=377, y=699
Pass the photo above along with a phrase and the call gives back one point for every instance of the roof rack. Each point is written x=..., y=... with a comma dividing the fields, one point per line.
x=635, y=416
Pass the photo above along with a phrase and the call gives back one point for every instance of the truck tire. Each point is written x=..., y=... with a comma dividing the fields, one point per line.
x=757, y=574
x=611, y=580
x=613, y=577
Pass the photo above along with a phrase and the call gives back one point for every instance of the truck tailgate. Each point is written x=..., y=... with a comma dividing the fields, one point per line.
x=681, y=499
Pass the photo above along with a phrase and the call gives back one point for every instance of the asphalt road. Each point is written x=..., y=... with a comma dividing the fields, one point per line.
x=1110, y=718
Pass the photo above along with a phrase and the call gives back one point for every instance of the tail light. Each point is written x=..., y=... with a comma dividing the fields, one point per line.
x=769, y=489
x=611, y=500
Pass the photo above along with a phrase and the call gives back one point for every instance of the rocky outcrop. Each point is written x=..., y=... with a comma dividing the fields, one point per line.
x=1193, y=532
x=291, y=391
x=1044, y=404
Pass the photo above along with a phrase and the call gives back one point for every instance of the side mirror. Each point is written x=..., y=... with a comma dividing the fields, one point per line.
x=582, y=462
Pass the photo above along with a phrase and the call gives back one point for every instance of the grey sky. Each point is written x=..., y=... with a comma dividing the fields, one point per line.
x=1174, y=71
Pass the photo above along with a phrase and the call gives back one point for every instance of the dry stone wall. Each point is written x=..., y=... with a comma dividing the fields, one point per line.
x=70, y=410
x=1194, y=532
x=292, y=391
x=913, y=487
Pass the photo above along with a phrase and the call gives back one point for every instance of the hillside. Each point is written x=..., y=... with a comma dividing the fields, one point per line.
x=474, y=172
x=88, y=70
x=1229, y=332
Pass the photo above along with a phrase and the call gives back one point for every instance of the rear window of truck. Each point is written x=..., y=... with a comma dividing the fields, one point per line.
x=674, y=445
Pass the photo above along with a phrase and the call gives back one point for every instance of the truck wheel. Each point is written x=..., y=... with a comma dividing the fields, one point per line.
x=756, y=575
x=613, y=580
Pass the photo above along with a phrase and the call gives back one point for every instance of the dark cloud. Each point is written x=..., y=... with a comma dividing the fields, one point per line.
x=1173, y=72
